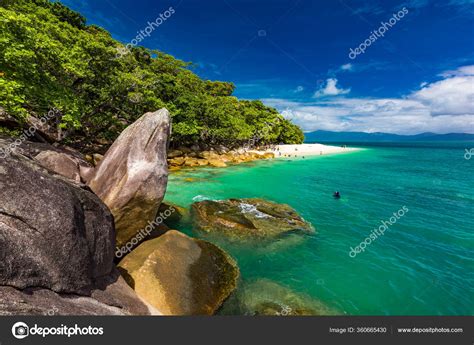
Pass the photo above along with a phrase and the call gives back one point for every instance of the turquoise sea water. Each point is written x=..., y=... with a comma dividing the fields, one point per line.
x=422, y=265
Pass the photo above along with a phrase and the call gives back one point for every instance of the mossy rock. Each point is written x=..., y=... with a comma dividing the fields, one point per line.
x=241, y=219
x=180, y=275
x=266, y=297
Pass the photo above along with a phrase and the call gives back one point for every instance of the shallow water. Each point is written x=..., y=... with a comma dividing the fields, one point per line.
x=422, y=265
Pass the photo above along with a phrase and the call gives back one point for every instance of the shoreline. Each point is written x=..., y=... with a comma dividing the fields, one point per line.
x=303, y=150
x=186, y=158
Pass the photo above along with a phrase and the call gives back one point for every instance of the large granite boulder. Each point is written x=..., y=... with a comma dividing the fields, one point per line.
x=180, y=275
x=113, y=297
x=61, y=160
x=60, y=163
x=244, y=219
x=265, y=297
x=34, y=301
x=131, y=178
x=54, y=234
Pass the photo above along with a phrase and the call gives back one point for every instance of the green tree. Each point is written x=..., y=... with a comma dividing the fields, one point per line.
x=50, y=58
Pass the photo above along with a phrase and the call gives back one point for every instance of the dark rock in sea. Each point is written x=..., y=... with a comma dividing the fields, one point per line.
x=172, y=213
x=180, y=275
x=131, y=178
x=241, y=219
x=54, y=234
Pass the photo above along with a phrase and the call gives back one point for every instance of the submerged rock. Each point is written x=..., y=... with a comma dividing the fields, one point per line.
x=180, y=275
x=247, y=218
x=265, y=297
x=131, y=178
x=53, y=234
x=172, y=213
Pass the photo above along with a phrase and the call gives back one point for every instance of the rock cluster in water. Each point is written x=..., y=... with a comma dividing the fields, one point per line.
x=219, y=157
x=63, y=217
x=247, y=219
x=61, y=220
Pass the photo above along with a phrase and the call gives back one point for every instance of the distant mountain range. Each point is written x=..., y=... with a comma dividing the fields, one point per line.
x=319, y=136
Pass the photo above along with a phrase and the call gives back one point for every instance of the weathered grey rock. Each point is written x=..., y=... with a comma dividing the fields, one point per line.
x=244, y=219
x=53, y=234
x=60, y=163
x=175, y=153
x=87, y=173
x=115, y=298
x=222, y=149
x=36, y=301
x=61, y=160
x=180, y=275
x=131, y=179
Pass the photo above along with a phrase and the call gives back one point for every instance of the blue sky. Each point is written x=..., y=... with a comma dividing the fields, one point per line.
x=294, y=55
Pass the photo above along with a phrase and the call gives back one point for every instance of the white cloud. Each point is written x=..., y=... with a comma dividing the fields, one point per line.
x=442, y=107
x=461, y=71
x=454, y=96
x=347, y=67
x=299, y=89
x=331, y=89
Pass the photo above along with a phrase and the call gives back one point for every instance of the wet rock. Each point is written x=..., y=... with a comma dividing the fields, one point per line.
x=265, y=297
x=180, y=275
x=241, y=219
x=218, y=163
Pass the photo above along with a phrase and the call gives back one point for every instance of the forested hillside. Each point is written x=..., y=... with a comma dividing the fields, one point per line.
x=50, y=59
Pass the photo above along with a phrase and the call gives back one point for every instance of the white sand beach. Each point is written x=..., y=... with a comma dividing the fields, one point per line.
x=285, y=151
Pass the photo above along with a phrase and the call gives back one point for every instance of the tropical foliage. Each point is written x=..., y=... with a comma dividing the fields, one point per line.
x=50, y=58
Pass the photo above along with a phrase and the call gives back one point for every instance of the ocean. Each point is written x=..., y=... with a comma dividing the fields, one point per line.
x=422, y=263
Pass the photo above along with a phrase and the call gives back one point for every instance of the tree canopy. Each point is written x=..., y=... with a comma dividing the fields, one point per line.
x=50, y=58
